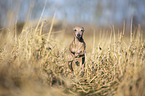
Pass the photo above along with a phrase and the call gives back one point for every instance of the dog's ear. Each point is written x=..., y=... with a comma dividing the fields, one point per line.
x=83, y=28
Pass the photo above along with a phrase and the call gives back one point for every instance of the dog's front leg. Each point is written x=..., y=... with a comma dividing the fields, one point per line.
x=70, y=62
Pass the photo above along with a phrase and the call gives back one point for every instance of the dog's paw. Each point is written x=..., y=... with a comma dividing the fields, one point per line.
x=77, y=63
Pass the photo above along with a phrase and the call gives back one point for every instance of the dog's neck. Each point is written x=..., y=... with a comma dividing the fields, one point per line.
x=78, y=40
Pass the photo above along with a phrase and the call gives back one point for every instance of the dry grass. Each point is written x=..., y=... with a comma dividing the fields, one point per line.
x=34, y=63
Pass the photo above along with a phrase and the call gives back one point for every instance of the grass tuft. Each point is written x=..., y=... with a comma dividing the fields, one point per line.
x=32, y=64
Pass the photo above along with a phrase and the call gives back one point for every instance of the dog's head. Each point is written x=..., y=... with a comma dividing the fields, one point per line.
x=78, y=32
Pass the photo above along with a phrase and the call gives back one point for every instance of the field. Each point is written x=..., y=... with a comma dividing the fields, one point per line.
x=35, y=63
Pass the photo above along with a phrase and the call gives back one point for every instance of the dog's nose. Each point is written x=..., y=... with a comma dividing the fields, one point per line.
x=78, y=35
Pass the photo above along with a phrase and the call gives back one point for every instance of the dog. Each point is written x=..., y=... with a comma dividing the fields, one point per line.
x=77, y=48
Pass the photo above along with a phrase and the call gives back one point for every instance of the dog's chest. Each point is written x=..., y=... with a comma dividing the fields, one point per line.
x=77, y=47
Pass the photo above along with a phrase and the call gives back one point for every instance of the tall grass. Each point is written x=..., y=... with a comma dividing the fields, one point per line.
x=35, y=63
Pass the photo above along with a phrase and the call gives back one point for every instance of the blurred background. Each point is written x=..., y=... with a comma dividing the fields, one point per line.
x=99, y=13
x=115, y=47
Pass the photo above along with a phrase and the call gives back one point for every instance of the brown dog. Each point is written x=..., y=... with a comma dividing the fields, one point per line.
x=77, y=48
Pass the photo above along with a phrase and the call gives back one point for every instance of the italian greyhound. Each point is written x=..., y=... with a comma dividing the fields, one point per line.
x=77, y=48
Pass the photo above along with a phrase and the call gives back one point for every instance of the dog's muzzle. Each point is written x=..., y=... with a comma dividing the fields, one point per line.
x=78, y=36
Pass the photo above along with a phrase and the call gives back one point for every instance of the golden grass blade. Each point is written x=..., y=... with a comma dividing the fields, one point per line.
x=41, y=28
x=114, y=37
x=123, y=28
x=40, y=17
x=29, y=12
x=51, y=26
x=93, y=49
x=131, y=29
x=15, y=33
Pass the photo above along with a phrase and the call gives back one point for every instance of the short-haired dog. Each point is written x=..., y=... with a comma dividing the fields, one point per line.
x=77, y=48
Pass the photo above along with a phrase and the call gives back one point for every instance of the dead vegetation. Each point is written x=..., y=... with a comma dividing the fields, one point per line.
x=35, y=63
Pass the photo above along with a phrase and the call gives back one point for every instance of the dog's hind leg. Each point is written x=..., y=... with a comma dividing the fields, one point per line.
x=83, y=66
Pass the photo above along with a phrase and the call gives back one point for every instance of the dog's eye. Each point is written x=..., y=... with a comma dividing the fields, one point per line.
x=82, y=30
x=75, y=30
